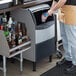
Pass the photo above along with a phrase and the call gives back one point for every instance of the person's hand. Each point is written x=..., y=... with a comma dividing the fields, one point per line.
x=44, y=16
x=50, y=12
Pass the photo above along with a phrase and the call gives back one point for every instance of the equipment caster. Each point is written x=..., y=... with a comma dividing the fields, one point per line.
x=59, y=54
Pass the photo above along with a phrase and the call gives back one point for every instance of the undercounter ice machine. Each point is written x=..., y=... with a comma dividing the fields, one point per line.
x=42, y=34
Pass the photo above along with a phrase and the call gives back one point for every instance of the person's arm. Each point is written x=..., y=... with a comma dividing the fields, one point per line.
x=53, y=3
x=57, y=5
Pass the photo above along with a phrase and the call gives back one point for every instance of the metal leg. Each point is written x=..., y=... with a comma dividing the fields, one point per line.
x=21, y=62
x=4, y=65
x=50, y=58
x=34, y=66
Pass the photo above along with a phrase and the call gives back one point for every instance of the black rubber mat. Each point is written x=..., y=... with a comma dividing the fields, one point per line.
x=57, y=71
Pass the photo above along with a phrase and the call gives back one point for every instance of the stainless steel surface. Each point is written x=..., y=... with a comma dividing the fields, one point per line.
x=3, y=68
x=21, y=62
x=4, y=65
x=5, y=1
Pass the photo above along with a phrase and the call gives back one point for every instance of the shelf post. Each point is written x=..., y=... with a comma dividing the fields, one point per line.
x=21, y=62
x=4, y=65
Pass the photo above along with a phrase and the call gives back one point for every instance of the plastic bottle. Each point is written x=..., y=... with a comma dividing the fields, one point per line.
x=10, y=21
x=44, y=16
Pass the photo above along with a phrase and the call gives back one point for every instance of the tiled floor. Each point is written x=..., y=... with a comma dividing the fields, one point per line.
x=42, y=66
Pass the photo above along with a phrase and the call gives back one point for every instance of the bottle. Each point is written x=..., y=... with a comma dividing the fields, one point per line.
x=6, y=31
x=1, y=22
x=16, y=39
x=10, y=21
x=9, y=39
x=4, y=19
x=11, y=28
x=44, y=16
x=1, y=27
x=19, y=34
x=4, y=23
x=24, y=30
x=15, y=2
x=13, y=43
x=1, y=19
x=20, y=1
x=20, y=38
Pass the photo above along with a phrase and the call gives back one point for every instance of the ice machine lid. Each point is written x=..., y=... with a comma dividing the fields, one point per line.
x=5, y=1
x=39, y=7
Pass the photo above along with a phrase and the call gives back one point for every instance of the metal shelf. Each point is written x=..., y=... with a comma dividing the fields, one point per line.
x=25, y=5
x=5, y=51
x=9, y=52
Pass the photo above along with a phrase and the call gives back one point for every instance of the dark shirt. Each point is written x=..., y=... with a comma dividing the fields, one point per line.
x=69, y=2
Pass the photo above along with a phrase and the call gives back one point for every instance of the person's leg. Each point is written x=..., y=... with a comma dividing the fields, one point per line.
x=73, y=43
x=67, y=50
x=71, y=34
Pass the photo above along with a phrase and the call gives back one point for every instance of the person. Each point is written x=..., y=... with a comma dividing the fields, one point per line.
x=67, y=19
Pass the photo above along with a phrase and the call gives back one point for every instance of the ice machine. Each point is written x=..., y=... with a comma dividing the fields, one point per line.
x=42, y=34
